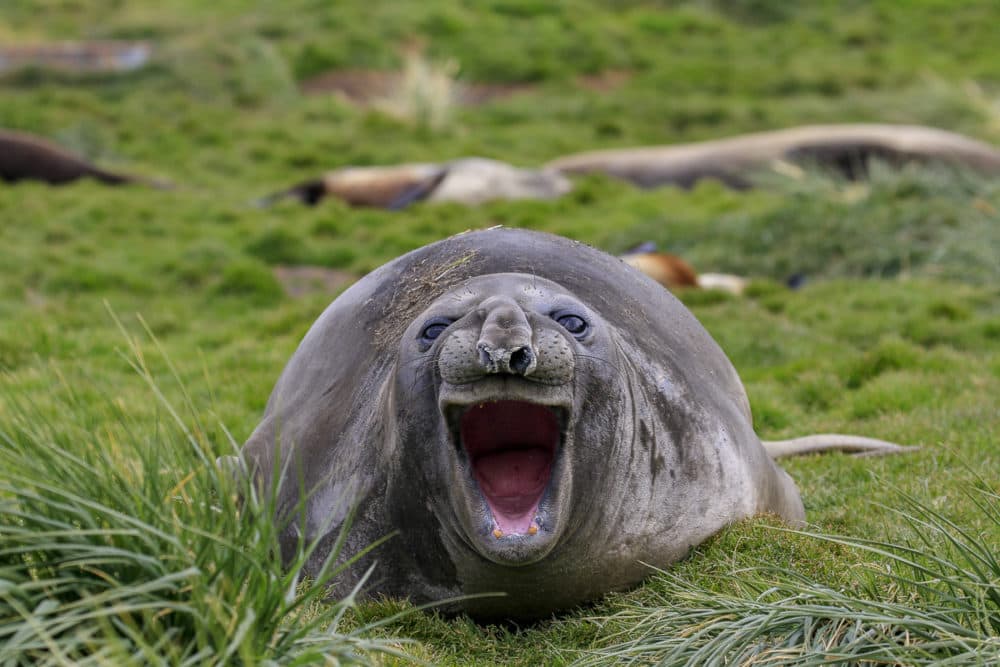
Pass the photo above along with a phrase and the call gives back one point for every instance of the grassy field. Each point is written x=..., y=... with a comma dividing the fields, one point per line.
x=896, y=333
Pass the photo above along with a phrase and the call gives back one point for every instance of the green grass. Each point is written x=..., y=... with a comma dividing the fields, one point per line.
x=109, y=557
x=933, y=602
x=896, y=333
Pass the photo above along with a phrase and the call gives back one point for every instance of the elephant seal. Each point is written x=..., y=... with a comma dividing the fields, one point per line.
x=25, y=157
x=472, y=181
x=379, y=187
x=476, y=180
x=845, y=149
x=524, y=414
x=672, y=272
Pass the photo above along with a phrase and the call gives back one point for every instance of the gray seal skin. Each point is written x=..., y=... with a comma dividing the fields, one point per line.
x=843, y=148
x=526, y=415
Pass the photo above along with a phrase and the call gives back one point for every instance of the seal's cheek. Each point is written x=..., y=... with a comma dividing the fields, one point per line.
x=556, y=359
x=457, y=359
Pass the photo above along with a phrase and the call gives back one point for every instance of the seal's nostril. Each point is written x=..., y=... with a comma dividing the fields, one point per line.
x=487, y=358
x=520, y=360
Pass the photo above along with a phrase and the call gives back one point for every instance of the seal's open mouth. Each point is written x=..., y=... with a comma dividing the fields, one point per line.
x=511, y=446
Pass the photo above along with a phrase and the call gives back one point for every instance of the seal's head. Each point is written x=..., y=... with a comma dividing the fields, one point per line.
x=500, y=352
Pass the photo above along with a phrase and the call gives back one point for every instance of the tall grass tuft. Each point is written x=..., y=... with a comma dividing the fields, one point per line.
x=122, y=546
x=426, y=93
x=933, y=602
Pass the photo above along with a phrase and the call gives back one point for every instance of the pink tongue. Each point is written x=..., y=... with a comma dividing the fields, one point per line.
x=514, y=472
x=511, y=446
x=513, y=481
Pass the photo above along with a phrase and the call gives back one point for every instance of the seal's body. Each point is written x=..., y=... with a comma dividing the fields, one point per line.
x=528, y=414
x=472, y=181
x=845, y=149
x=24, y=157
x=673, y=272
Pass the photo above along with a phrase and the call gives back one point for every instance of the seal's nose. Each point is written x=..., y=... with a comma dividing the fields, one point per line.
x=505, y=340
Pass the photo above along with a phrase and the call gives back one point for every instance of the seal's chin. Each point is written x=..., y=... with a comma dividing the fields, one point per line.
x=511, y=446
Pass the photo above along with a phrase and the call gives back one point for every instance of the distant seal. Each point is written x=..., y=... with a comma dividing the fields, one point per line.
x=843, y=148
x=391, y=187
x=472, y=180
x=25, y=157
x=476, y=180
x=525, y=414
x=672, y=272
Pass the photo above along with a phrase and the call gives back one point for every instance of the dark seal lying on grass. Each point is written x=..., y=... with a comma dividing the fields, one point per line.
x=527, y=414
x=25, y=157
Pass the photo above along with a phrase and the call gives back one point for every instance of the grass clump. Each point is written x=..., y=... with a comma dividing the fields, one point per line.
x=427, y=93
x=121, y=545
x=933, y=600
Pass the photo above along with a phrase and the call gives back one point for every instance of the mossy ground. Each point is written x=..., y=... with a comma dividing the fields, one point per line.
x=896, y=333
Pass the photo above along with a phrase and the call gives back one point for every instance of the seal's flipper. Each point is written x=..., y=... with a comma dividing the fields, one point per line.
x=417, y=192
x=833, y=442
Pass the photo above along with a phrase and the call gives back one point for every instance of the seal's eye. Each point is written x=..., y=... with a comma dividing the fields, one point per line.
x=573, y=323
x=432, y=329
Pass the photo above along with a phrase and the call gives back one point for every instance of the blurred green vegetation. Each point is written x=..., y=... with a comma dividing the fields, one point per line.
x=896, y=333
